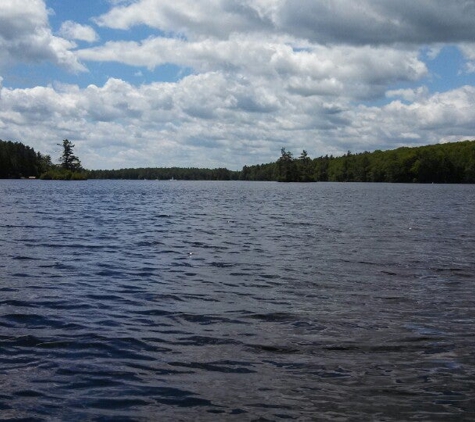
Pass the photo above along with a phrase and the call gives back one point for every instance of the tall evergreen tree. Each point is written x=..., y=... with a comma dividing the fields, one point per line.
x=305, y=168
x=286, y=167
x=68, y=160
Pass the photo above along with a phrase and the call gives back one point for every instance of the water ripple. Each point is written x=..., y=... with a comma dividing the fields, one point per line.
x=128, y=301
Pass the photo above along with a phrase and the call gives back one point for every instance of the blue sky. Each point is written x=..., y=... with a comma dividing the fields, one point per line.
x=218, y=83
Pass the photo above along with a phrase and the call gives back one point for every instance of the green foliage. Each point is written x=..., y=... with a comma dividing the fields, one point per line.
x=442, y=163
x=58, y=173
x=18, y=160
x=305, y=168
x=287, y=167
x=175, y=173
x=70, y=167
x=68, y=160
x=259, y=172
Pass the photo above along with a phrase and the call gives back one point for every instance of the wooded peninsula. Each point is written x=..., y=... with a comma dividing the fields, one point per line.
x=441, y=163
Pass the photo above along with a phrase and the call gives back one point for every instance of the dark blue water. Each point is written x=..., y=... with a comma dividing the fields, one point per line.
x=150, y=300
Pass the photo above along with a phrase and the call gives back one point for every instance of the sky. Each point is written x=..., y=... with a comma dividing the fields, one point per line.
x=228, y=83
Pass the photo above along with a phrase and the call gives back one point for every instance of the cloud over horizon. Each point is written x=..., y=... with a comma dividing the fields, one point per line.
x=26, y=37
x=245, y=78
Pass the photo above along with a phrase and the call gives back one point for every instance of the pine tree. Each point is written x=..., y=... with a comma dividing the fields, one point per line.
x=68, y=160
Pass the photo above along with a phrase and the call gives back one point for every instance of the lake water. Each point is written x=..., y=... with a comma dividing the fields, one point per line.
x=197, y=301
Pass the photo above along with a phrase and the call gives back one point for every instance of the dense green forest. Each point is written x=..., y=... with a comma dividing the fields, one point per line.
x=441, y=163
x=166, y=174
x=18, y=160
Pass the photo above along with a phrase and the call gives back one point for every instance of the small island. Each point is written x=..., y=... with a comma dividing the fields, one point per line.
x=69, y=168
x=18, y=161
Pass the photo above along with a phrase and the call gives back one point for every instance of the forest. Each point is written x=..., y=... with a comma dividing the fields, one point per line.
x=441, y=163
x=166, y=173
x=18, y=160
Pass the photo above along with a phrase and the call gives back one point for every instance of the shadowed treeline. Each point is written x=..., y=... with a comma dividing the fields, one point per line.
x=167, y=173
x=442, y=163
x=18, y=160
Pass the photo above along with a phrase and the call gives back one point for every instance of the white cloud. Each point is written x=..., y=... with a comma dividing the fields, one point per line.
x=429, y=119
x=216, y=120
x=468, y=50
x=358, y=72
x=75, y=31
x=211, y=17
x=337, y=21
x=377, y=22
x=409, y=94
x=25, y=36
x=265, y=74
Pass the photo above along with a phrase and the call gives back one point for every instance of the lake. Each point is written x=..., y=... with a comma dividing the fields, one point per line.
x=236, y=301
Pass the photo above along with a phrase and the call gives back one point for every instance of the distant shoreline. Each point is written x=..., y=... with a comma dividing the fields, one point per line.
x=442, y=163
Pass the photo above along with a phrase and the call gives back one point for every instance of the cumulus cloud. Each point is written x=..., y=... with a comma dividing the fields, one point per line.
x=25, y=36
x=210, y=18
x=339, y=21
x=376, y=22
x=75, y=31
x=468, y=50
x=359, y=72
x=409, y=94
x=219, y=120
x=261, y=75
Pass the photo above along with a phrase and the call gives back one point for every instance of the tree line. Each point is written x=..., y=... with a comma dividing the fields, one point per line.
x=442, y=163
x=166, y=173
x=20, y=161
